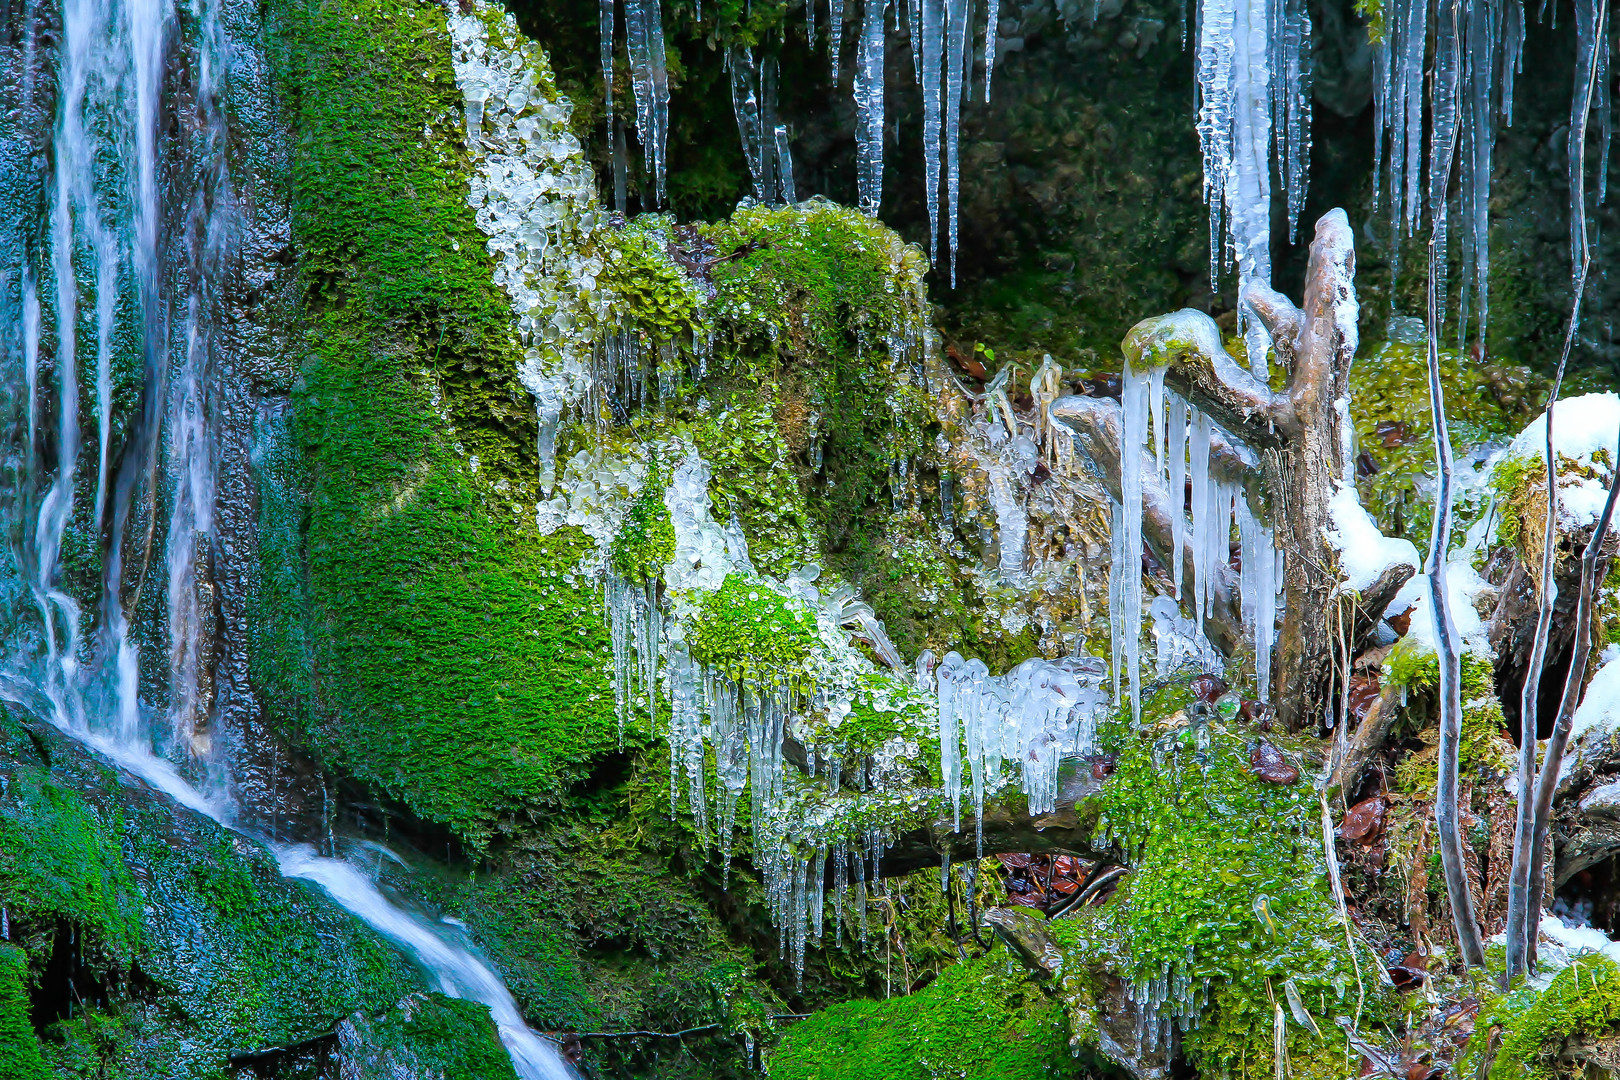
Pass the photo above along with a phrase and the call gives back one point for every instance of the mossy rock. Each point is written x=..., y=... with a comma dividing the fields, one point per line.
x=413, y=627
x=425, y=1035
x=984, y=1019
x=188, y=943
x=1523, y=1035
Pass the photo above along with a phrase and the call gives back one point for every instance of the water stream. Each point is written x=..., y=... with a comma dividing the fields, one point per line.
x=140, y=229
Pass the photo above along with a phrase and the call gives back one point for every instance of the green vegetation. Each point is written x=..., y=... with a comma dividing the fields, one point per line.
x=432, y=1035
x=1390, y=410
x=1518, y=1036
x=985, y=1019
x=413, y=626
x=750, y=632
x=19, y=1050
x=1228, y=902
x=646, y=541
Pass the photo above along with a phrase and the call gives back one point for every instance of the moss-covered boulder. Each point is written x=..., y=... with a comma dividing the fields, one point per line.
x=985, y=1019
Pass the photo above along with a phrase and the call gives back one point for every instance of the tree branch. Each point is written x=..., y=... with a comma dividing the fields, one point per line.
x=1187, y=344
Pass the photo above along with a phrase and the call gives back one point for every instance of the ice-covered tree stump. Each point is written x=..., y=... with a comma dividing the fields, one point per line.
x=1302, y=436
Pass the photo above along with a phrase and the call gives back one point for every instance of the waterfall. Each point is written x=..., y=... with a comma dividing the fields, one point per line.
x=129, y=262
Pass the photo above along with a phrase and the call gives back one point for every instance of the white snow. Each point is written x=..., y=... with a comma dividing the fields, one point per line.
x=1463, y=584
x=1600, y=708
x=1364, y=552
x=1581, y=427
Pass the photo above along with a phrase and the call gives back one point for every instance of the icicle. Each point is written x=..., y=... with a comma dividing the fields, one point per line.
x=1203, y=575
x=1156, y=402
x=1291, y=103
x=950, y=762
x=1178, y=486
x=992, y=18
x=869, y=109
x=644, y=36
x=956, y=55
x=605, y=19
x=835, y=34
x=784, y=166
x=810, y=24
x=769, y=75
x=1116, y=587
x=1133, y=440
x=933, y=54
x=914, y=26
x=1248, y=185
x=750, y=121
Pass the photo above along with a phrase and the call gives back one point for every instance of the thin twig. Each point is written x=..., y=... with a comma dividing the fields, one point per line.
x=1445, y=632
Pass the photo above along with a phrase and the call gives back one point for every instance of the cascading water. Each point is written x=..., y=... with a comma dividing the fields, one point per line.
x=126, y=415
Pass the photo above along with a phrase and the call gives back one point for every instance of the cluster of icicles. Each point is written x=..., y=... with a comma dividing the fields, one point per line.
x=941, y=36
x=992, y=727
x=1181, y=439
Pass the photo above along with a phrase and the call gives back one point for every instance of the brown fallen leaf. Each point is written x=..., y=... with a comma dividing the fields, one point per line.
x=1270, y=765
x=1365, y=820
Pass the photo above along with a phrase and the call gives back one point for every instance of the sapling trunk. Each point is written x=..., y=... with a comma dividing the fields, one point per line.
x=1525, y=879
x=1591, y=563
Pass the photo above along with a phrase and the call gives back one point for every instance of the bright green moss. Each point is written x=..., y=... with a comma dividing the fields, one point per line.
x=748, y=631
x=60, y=859
x=432, y=1035
x=983, y=1019
x=1531, y=1027
x=1482, y=744
x=1228, y=891
x=646, y=541
x=19, y=1050
x=1390, y=411
x=420, y=633
x=651, y=292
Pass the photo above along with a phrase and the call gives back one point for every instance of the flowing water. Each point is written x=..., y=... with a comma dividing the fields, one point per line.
x=142, y=242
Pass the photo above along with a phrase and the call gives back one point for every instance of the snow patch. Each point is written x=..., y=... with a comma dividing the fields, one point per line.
x=1364, y=552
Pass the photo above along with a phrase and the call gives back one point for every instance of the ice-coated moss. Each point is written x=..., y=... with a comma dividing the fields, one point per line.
x=750, y=632
x=1228, y=901
x=1518, y=1036
x=985, y=1019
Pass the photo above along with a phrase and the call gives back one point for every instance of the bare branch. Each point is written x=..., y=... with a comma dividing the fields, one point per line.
x=1592, y=563
x=1282, y=320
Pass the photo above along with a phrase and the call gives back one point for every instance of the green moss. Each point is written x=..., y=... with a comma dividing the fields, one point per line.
x=651, y=292
x=1482, y=744
x=646, y=541
x=1530, y=1028
x=60, y=860
x=1228, y=900
x=432, y=1035
x=19, y=1050
x=1390, y=411
x=750, y=632
x=420, y=634
x=983, y=1019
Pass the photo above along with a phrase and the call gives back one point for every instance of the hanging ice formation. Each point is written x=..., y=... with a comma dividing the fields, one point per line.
x=1172, y=439
x=644, y=39
x=1032, y=715
x=1477, y=50
x=1254, y=75
x=869, y=109
x=764, y=141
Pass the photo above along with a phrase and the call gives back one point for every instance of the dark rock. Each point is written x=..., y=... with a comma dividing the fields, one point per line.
x=1207, y=688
